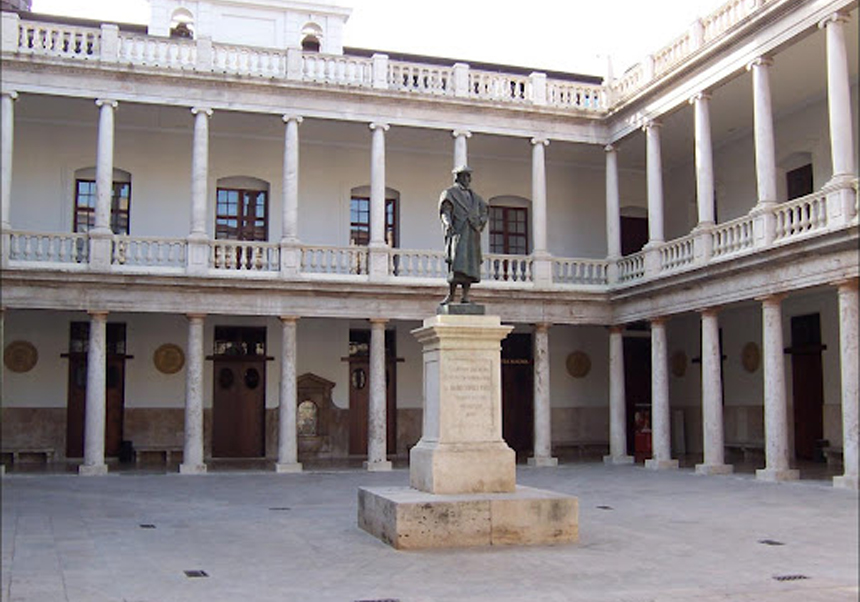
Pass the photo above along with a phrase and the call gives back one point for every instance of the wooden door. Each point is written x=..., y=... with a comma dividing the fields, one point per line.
x=239, y=407
x=76, y=397
x=518, y=392
x=637, y=391
x=634, y=234
x=808, y=384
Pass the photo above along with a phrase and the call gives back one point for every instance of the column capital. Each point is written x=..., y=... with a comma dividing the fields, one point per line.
x=651, y=124
x=106, y=102
x=379, y=126
x=195, y=316
x=201, y=110
x=463, y=133
x=658, y=321
x=288, y=118
x=837, y=17
x=709, y=311
x=610, y=148
x=699, y=96
x=97, y=314
x=10, y=93
x=762, y=61
x=378, y=321
x=289, y=319
x=616, y=328
x=540, y=140
x=846, y=284
x=771, y=299
x=542, y=326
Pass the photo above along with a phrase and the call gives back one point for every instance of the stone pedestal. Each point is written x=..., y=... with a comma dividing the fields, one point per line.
x=462, y=473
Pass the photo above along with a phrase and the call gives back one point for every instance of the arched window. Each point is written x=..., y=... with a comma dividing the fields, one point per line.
x=509, y=225
x=242, y=209
x=84, y=217
x=359, y=217
x=311, y=37
x=182, y=24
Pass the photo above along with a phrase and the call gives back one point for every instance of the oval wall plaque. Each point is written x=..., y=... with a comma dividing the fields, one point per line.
x=168, y=358
x=578, y=364
x=20, y=356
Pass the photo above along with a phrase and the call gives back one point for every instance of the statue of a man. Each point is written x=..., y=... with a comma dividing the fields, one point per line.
x=464, y=215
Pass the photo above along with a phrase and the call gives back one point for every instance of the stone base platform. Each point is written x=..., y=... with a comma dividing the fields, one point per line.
x=406, y=518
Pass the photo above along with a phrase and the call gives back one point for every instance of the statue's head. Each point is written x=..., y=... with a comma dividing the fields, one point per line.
x=463, y=175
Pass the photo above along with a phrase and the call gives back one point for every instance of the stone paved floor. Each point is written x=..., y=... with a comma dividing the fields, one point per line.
x=644, y=536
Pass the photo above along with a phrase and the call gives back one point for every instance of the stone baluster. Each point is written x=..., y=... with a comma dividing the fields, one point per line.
x=7, y=142
x=542, y=407
x=288, y=459
x=849, y=357
x=775, y=405
x=712, y=397
x=290, y=246
x=661, y=443
x=617, y=400
x=198, y=239
x=377, y=425
x=378, y=248
x=613, y=213
x=192, y=455
x=101, y=234
x=95, y=409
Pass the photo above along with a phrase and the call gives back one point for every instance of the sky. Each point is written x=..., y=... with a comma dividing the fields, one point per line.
x=562, y=35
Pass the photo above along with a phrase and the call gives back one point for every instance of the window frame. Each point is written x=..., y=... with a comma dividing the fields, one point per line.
x=507, y=234
x=120, y=217
x=392, y=221
x=245, y=224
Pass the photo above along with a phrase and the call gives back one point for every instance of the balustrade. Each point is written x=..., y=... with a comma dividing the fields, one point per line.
x=631, y=267
x=412, y=77
x=245, y=60
x=149, y=252
x=579, y=271
x=489, y=85
x=337, y=69
x=575, y=96
x=676, y=254
x=418, y=264
x=800, y=216
x=507, y=268
x=158, y=52
x=56, y=39
x=732, y=237
x=244, y=256
x=49, y=248
x=343, y=261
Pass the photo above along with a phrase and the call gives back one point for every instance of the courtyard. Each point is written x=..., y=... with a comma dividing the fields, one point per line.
x=253, y=535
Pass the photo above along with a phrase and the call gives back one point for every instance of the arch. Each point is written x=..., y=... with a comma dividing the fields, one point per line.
x=510, y=200
x=312, y=35
x=182, y=23
x=89, y=173
x=244, y=183
x=84, y=200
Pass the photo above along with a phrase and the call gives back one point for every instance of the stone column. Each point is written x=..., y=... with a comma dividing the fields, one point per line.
x=198, y=245
x=101, y=233
x=95, y=409
x=613, y=213
x=617, y=400
x=288, y=457
x=377, y=422
x=461, y=155
x=290, y=253
x=7, y=142
x=704, y=159
x=378, y=246
x=192, y=455
x=2, y=380
x=542, y=264
x=655, y=183
x=765, y=149
x=661, y=445
x=542, y=409
x=712, y=397
x=775, y=406
x=849, y=357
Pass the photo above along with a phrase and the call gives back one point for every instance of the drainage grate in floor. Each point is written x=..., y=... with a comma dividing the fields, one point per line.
x=605, y=508
x=379, y=600
x=790, y=577
x=280, y=509
x=771, y=542
x=147, y=526
x=195, y=573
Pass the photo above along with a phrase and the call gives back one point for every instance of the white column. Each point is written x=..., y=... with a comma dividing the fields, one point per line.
x=539, y=243
x=655, y=182
x=2, y=380
x=7, y=141
x=461, y=155
x=199, y=172
x=704, y=159
x=377, y=422
x=661, y=443
x=95, y=408
x=712, y=398
x=613, y=205
x=617, y=400
x=542, y=410
x=104, y=167
x=377, y=185
x=839, y=97
x=849, y=357
x=288, y=458
x=290, y=216
x=765, y=149
x=192, y=455
x=775, y=405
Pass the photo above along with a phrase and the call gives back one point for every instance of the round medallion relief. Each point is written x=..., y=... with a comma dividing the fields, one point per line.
x=20, y=356
x=169, y=358
x=750, y=357
x=578, y=364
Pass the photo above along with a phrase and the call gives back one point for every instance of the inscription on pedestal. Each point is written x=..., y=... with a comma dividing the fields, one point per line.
x=467, y=398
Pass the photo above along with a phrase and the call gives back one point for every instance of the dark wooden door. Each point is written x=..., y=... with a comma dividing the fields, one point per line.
x=359, y=401
x=76, y=398
x=807, y=384
x=518, y=392
x=634, y=234
x=637, y=391
x=239, y=407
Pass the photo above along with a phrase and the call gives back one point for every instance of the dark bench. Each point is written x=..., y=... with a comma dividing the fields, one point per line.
x=164, y=453
x=28, y=454
x=751, y=450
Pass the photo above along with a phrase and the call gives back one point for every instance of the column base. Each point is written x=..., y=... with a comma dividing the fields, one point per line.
x=709, y=469
x=618, y=460
x=192, y=469
x=653, y=464
x=94, y=470
x=775, y=475
x=543, y=461
x=378, y=466
x=847, y=481
x=291, y=467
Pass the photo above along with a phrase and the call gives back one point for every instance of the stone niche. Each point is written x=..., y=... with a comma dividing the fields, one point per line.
x=322, y=427
x=462, y=473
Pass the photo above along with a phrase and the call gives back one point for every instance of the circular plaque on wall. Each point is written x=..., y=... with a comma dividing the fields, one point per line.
x=750, y=357
x=578, y=364
x=679, y=364
x=168, y=358
x=20, y=356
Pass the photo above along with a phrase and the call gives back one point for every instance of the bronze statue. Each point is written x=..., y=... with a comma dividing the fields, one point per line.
x=464, y=215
